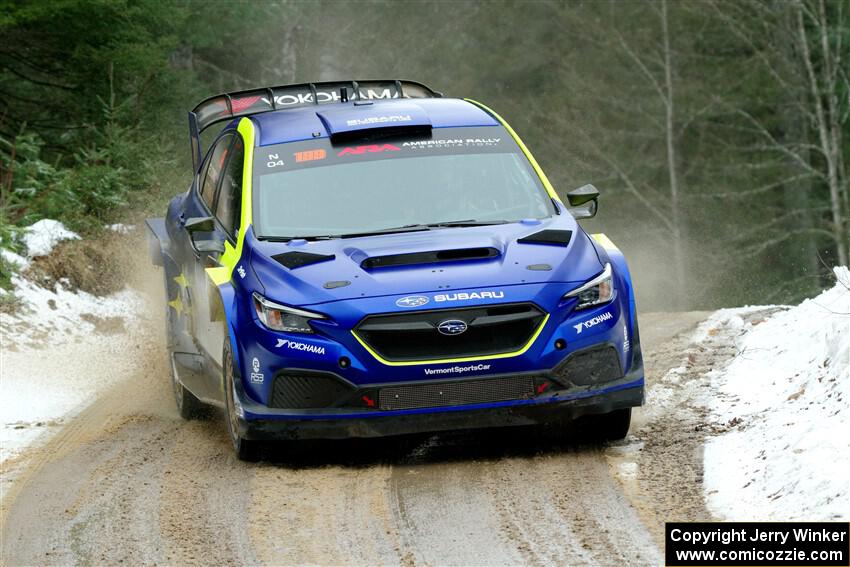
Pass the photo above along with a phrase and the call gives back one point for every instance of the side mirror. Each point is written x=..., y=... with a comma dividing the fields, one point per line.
x=199, y=224
x=583, y=201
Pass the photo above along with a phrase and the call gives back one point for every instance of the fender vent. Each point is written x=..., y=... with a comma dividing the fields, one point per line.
x=294, y=260
x=430, y=257
x=551, y=237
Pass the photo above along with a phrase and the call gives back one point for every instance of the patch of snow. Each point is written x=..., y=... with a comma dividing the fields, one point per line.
x=47, y=318
x=785, y=397
x=40, y=237
x=121, y=228
x=18, y=261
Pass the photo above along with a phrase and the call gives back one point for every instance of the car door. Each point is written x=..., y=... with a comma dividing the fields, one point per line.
x=204, y=238
x=228, y=213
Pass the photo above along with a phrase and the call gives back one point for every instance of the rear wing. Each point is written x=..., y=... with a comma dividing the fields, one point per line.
x=254, y=101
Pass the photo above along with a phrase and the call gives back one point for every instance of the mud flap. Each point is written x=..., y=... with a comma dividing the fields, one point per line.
x=192, y=371
x=223, y=309
x=157, y=237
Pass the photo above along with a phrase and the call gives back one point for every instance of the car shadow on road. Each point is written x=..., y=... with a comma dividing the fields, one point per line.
x=467, y=445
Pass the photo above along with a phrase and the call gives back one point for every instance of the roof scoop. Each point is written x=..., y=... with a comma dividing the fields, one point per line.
x=345, y=123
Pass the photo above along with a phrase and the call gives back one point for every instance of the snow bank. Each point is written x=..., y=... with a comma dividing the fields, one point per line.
x=785, y=399
x=40, y=238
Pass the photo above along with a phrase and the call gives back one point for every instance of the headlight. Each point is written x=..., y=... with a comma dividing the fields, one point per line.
x=595, y=292
x=282, y=318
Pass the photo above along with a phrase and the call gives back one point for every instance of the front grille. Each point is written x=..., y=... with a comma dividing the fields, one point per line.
x=456, y=393
x=491, y=329
x=591, y=367
x=307, y=391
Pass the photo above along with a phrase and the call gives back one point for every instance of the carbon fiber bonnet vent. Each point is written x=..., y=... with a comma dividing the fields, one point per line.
x=294, y=260
x=430, y=257
x=548, y=236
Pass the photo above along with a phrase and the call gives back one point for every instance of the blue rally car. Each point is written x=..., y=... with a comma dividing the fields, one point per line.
x=358, y=259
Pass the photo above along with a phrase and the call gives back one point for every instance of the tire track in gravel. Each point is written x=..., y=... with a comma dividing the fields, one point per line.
x=204, y=498
x=444, y=513
x=329, y=515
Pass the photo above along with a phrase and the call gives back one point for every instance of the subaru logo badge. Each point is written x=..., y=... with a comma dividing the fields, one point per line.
x=452, y=327
x=412, y=301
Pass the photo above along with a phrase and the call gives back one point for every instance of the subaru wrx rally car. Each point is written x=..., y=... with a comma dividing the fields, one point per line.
x=358, y=259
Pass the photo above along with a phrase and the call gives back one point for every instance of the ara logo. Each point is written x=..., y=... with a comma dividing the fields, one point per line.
x=412, y=301
x=464, y=296
x=371, y=148
x=452, y=327
x=591, y=322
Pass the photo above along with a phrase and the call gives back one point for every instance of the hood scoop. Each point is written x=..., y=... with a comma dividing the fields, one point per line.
x=550, y=237
x=294, y=260
x=429, y=257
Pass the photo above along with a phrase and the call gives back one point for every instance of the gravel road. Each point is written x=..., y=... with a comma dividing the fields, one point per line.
x=128, y=482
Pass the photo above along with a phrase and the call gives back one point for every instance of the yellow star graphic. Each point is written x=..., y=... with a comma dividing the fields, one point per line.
x=176, y=304
x=181, y=281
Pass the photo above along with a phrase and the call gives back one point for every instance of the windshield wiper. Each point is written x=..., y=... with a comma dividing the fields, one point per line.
x=289, y=238
x=394, y=230
x=461, y=223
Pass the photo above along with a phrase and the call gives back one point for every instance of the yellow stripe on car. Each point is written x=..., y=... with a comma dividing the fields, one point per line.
x=228, y=260
x=523, y=147
x=604, y=241
x=383, y=360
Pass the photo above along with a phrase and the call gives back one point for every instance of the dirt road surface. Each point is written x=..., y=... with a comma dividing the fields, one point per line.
x=128, y=482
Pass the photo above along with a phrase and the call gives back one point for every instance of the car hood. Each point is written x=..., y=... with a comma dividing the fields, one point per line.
x=353, y=268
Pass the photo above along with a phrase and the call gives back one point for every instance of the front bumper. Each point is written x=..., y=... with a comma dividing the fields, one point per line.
x=560, y=400
x=580, y=363
x=448, y=419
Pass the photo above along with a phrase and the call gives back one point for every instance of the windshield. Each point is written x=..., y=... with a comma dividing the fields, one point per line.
x=309, y=189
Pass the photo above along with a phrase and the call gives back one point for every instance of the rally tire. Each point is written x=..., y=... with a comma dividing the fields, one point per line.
x=245, y=449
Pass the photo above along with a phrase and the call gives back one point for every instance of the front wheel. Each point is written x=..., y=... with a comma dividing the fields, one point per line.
x=245, y=449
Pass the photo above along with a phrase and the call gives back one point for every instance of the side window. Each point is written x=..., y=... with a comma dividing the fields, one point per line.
x=228, y=207
x=217, y=159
